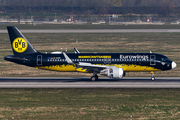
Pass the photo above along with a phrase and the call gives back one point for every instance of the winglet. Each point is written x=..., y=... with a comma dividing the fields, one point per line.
x=76, y=51
x=68, y=59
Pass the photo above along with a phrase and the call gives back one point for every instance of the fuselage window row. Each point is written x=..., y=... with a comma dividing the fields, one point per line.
x=105, y=60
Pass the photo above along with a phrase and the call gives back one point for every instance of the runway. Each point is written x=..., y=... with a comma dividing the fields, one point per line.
x=100, y=31
x=85, y=82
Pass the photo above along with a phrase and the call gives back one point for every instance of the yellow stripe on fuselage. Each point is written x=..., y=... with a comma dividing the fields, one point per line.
x=136, y=68
x=72, y=68
x=61, y=68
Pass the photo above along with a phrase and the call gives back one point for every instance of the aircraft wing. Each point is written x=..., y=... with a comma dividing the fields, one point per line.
x=87, y=66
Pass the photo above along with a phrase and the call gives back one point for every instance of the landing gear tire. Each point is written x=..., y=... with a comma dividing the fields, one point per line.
x=153, y=78
x=96, y=77
x=93, y=78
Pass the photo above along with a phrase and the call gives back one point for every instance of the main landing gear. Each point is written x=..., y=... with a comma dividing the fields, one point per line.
x=152, y=76
x=95, y=76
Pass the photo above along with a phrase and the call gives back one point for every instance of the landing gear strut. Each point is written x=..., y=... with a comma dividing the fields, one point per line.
x=152, y=76
x=95, y=76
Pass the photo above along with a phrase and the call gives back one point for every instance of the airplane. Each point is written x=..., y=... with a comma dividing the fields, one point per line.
x=112, y=65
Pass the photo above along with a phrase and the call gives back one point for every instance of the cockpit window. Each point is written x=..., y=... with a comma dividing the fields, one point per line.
x=165, y=59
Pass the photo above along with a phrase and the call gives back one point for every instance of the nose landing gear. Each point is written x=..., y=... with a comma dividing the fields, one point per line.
x=152, y=76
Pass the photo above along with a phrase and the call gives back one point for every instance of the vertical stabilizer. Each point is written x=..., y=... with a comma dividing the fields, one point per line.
x=19, y=44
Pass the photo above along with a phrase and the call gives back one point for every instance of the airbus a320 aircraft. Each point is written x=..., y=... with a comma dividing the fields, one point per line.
x=112, y=65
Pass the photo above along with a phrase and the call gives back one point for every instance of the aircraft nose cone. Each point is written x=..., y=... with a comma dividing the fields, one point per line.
x=173, y=65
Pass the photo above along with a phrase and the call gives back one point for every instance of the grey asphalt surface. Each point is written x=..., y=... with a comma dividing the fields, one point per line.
x=100, y=31
x=85, y=82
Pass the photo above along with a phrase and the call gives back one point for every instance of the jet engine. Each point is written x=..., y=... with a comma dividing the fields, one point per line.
x=115, y=73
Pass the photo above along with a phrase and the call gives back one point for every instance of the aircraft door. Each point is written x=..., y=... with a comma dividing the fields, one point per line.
x=152, y=60
x=39, y=60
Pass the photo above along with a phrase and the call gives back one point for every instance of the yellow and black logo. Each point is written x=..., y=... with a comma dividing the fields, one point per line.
x=20, y=45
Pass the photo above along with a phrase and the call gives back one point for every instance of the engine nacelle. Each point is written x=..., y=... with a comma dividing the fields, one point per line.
x=113, y=73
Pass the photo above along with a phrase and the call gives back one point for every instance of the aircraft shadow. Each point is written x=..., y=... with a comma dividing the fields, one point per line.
x=76, y=79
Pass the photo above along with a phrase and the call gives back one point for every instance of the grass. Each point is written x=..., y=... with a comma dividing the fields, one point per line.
x=90, y=104
x=162, y=43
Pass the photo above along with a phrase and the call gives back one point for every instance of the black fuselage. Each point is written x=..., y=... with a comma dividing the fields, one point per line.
x=127, y=61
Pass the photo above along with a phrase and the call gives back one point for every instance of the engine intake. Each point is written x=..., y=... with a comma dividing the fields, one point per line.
x=115, y=73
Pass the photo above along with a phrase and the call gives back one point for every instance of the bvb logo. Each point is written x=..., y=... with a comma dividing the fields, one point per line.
x=20, y=45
